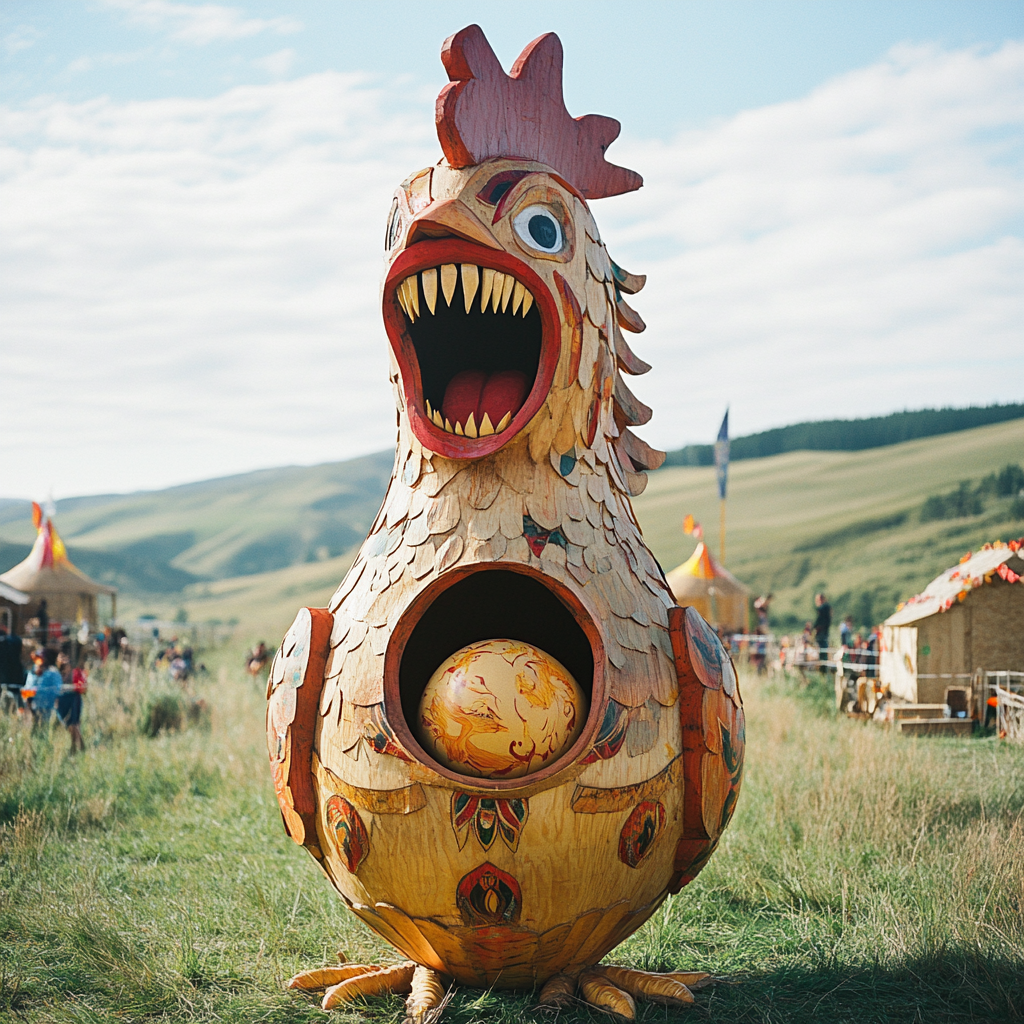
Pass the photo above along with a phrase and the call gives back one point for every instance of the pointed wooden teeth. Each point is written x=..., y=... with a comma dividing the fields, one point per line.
x=498, y=291
x=449, y=275
x=470, y=283
x=517, y=297
x=470, y=428
x=429, y=278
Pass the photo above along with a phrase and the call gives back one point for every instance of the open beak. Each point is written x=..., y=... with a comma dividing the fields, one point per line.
x=475, y=332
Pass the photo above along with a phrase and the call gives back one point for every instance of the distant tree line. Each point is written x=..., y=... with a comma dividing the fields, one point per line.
x=969, y=500
x=850, y=435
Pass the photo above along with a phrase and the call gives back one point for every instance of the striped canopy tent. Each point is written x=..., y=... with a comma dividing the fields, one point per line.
x=702, y=582
x=48, y=574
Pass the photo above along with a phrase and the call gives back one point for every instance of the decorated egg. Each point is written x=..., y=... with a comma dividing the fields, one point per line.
x=500, y=709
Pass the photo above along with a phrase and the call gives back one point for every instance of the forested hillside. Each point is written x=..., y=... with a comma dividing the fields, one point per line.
x=850, y=435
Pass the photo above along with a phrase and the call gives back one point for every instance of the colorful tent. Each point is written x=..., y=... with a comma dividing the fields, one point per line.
x=48, y=574
x=705, y=584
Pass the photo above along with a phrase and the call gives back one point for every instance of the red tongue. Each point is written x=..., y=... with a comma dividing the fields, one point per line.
x=478, y=392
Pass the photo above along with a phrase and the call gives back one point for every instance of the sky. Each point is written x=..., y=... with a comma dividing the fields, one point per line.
x=193, y=198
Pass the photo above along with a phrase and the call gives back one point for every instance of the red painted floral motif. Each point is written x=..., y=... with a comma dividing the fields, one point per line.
x=642, y=828
x=488, y=895
x=347, y=829
x=487, y=818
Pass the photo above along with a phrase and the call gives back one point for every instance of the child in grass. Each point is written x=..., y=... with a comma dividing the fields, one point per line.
x=69, y=704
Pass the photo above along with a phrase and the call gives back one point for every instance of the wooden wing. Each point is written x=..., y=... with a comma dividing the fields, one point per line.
x=714, y=736
x=293, y=699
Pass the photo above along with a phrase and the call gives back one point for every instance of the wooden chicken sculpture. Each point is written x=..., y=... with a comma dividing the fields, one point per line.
x=502, y=742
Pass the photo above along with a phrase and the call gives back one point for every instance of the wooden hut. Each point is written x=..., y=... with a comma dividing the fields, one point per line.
x=972, y=616
x=705, y=584
x=12, y=605
x=48, y=574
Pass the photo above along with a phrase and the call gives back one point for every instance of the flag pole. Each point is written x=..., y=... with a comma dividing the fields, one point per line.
x=722, y=473
x=721, y=535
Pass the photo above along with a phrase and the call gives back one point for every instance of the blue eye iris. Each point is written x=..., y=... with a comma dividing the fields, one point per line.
x=543, y=231
x=540, y=230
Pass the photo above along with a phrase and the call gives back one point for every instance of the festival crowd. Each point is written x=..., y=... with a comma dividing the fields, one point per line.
x=44, y=674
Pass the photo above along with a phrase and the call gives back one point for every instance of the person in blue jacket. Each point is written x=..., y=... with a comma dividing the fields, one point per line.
x=48, y=686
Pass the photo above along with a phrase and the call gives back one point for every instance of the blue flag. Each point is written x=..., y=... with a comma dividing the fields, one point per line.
x=722, y=456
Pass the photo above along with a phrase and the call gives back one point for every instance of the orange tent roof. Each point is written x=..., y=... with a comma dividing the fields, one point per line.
x=702, y=565
x=704, y=583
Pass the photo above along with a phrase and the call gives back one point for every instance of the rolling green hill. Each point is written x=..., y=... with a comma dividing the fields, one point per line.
x=257, y=546
x=157, y=542
x=849, y=523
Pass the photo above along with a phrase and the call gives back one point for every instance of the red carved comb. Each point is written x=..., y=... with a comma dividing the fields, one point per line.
x=483, y=113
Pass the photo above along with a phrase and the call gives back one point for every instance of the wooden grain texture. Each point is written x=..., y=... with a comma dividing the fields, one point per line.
x=294, y=684
x=389, y=981
x=602, y=993
x=599, y=800
x=627, y=282
x=327, y=977
x=497, y=881
x=484, y=113
x=425, y=996
x=653, y=988
x=627, y=359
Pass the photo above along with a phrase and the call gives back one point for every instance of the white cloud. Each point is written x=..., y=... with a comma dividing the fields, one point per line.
x=277, y=64
x=200, y=23
x=22, y=38
x=89, y=62
x=852, y=252
x=189, y=287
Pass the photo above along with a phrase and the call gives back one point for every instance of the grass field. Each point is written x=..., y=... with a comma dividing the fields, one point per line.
x=864, y=878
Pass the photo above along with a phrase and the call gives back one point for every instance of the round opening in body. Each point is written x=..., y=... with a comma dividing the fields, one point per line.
x=487, y=603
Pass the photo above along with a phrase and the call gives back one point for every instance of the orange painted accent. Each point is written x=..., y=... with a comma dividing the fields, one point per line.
x=293, y=775
x=572, y=317
x=691, y=699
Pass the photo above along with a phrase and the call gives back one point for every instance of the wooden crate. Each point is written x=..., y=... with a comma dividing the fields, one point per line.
x=936, y=727
x=899, y=712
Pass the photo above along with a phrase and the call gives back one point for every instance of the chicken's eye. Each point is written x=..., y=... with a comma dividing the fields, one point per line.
x=394, y=227
x=538, y=227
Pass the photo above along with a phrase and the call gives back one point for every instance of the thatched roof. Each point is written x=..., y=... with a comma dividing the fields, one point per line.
x=973, y=571
x=703, y=583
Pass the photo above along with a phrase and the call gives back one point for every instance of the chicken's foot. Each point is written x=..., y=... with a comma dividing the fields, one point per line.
x=616, y=989
x=354, y=981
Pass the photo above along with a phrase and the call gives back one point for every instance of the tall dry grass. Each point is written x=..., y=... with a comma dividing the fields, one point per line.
x=865, y=877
